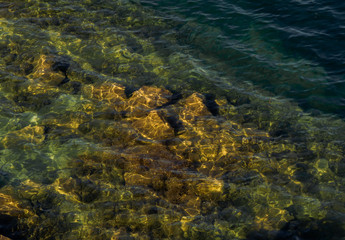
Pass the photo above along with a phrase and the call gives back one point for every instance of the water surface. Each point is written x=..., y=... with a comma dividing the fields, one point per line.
x=174, y=120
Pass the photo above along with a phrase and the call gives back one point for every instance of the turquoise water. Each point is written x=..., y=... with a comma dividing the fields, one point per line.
x=175, y=120
x=298, y=44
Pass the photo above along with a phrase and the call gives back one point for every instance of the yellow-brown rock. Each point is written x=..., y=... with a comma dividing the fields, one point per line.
x=209, y=189
x=10, y=207
x=135, y=179
x=151, y=166
x=146, y=98
x=82, y=190
x=153, y=126
x=2, y=237
x=176, y=190
x=194, y=107
x=153, y=157
x=111, y=93
x=11, y=213
x=44, y=70
x=28, y=134
x=110, y=132
x=68, y=119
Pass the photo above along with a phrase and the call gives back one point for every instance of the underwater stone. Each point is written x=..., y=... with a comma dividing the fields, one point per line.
x=10, y=207
x=82, y=190
x=2, y=237
x=176, y=190
x=69, y=119
x=210, y=189
x=110, y=132
x=111, y=93
x=44, y=70
x=135, y=179
x=11, y=212
x=28, y=134
x=226, y=109
x=147, y=98
x=154, y=127
x=154, y=157
x=194, y=107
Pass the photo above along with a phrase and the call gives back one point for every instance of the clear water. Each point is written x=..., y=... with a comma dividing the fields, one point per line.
x=297, y=43
x=174, y=120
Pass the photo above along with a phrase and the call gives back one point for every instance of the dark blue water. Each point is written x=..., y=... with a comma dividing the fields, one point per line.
x=292, y=48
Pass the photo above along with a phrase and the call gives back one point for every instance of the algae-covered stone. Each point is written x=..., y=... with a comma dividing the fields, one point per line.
x=147, y=98
x=153, y=126
x=69, y=119
x=116, y=176
x=82, y=190
x=154, y=158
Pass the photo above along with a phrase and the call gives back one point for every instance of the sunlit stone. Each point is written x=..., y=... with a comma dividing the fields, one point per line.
x=194, y=107
x=112, y=93
x=147, y=98
x=44, y=70
x=28, y=134
x=153, y=126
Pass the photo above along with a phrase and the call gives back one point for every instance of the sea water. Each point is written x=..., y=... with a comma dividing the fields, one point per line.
x=172, y=119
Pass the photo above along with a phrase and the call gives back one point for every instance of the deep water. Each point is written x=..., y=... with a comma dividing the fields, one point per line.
x=172, y=119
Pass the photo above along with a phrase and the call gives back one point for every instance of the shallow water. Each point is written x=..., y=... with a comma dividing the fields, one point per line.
x=123, y=121
x=298, y=44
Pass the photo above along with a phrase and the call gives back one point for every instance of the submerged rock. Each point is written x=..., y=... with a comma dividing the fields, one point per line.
x=153, y=126
x=159, y=164
x=47, y=70
x=2, y=237
x=193, y=108
x=109, y=132
x=11, y=213
x=78, y=189
x=28, y=134
x=147, y=98
x=112, y=93
x=10, y=207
